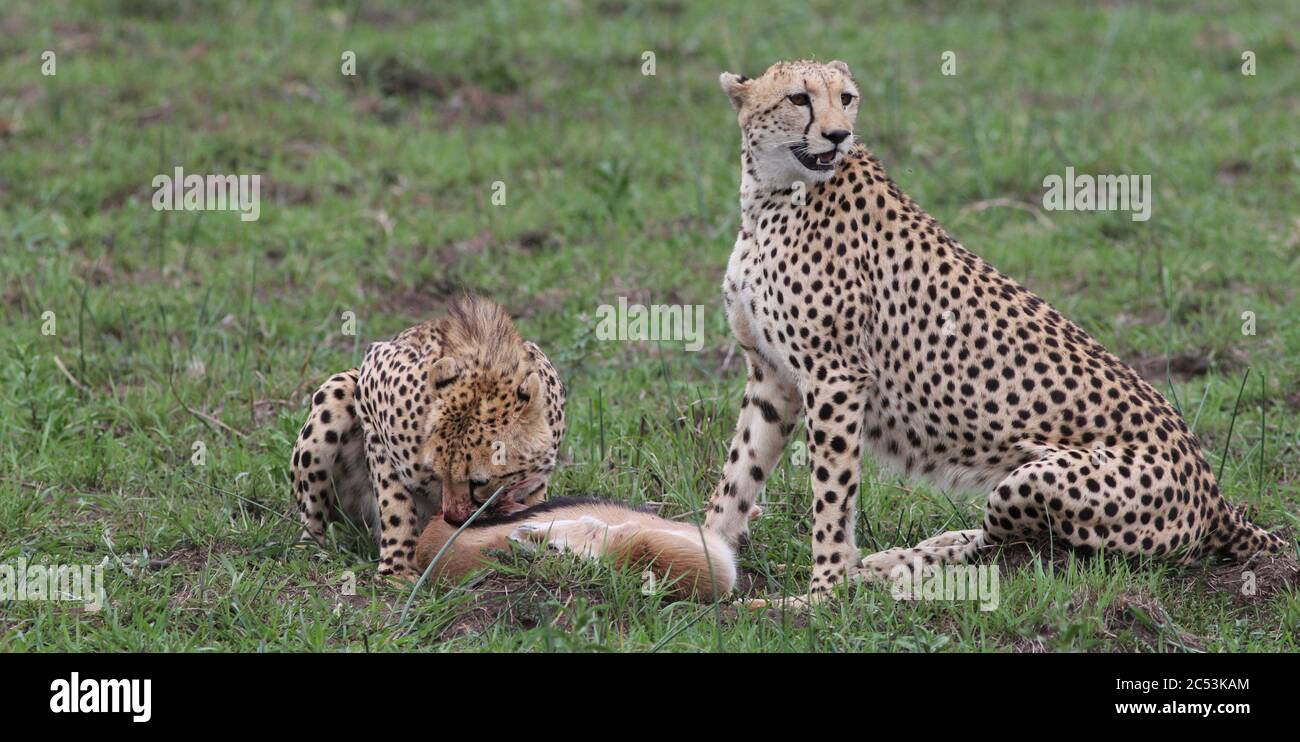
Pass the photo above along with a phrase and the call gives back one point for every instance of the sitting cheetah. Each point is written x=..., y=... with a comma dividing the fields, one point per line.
x=439, y=417
x=856, y=310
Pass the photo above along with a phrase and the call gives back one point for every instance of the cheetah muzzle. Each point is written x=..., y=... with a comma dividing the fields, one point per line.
x=820, y=162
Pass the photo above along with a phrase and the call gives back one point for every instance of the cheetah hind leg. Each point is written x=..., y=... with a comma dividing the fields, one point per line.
x=953, y=547
x=330, y=480
x=1019, y=507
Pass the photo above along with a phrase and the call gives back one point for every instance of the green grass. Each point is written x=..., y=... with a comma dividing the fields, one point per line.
x=189, y=327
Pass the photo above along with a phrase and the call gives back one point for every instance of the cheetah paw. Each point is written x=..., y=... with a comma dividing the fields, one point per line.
x=879, y=566
x=951, y=538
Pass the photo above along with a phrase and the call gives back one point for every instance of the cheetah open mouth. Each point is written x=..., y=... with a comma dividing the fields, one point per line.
x=821, y=161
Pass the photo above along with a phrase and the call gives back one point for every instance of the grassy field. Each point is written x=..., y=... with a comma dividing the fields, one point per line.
x=155, y=364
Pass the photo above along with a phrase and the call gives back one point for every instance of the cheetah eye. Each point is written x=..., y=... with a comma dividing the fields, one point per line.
x=799, y=99
x=846, y=99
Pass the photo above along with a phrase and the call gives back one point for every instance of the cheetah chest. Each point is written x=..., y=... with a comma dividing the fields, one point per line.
x=752, y=309
x=390, y=395
x=796, y=319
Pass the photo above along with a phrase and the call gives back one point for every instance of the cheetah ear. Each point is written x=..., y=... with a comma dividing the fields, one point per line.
x=445, y=371
x=836, y=64
x=735, y=86
x=530, y=392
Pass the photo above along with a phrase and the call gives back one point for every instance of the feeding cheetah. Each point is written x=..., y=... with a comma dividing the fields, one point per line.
x=438, y=418
x=860, y=315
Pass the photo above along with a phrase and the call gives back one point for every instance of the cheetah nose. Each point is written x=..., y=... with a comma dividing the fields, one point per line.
x=837, y=136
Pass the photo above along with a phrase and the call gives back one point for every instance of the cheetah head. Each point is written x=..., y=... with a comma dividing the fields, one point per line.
x=488, y=430
x=796, y=120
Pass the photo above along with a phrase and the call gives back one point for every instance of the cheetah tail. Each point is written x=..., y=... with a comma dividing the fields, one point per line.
x=1244, y=539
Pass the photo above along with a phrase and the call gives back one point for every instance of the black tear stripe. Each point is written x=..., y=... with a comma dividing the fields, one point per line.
x=811, y=116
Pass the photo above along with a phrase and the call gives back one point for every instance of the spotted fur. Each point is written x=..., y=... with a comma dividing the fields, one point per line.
x=861, y=317
x=438, y=418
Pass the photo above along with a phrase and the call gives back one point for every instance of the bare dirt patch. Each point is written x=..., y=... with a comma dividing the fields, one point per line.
x=1256, y=580
x=1231, y=172
x=12, y=295
x=193, y=560
x=1181, y=366
x=1293, y=400
x=456, y=100
x=518, y=602
x=421, y=302
x=1012, y=556
x=431, y=297
x=284, y=193
x=191, y=557
x=1143, y=616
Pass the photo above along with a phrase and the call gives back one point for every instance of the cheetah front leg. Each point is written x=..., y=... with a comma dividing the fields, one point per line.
x=767, y=416
x=833, y=416
x=398, y=518
x=834, y=421
x=328, y=467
